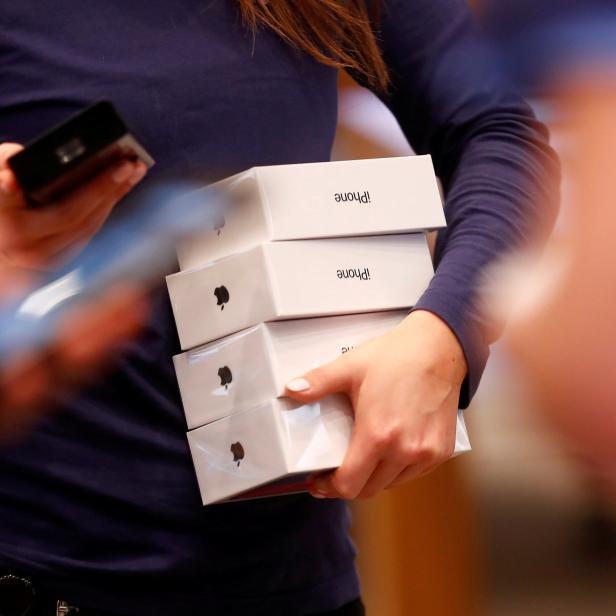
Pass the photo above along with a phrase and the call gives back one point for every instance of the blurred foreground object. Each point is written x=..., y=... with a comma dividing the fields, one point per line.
x=564, y=337
x=566, y=344
x=86, y=338
x=59, y=329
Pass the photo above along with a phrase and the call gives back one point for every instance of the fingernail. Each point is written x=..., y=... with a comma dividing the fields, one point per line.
x=298, y=385
x=138, y=174
x=122, y=173
x=318, y=494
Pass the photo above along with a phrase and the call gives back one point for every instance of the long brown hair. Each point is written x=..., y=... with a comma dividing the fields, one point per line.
x=339, y=33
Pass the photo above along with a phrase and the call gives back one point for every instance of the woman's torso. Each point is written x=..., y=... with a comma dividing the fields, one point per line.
x=103, y=493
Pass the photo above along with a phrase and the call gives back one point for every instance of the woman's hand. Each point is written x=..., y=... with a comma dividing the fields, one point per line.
x=32, y=381
x=404, y=387
x=33, y=238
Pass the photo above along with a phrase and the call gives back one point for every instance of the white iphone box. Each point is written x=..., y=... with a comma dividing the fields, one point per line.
x=279, y=440
x=253, y=366
x=318, y=200
x=298, y=279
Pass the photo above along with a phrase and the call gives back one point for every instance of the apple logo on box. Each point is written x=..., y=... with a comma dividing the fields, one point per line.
x=222, y=296
x=226, y=376
x=238, y=452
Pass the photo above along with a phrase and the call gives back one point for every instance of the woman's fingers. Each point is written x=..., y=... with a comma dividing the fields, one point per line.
x=100, y=193
x=364, y=476
x=347, y=481
x=335, y=377
x=10, y=195
x=7, y=149
x=385, y=473
x=34, y=237
x=69, y=213
x=433, y=456
x=386, y=450
x=409, y=473
x=376, y=460
x=56, y=246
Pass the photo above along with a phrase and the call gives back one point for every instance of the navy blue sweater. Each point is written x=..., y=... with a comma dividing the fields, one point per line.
x=100, y=501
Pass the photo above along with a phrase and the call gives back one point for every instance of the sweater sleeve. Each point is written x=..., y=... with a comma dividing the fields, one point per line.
x=491, y=154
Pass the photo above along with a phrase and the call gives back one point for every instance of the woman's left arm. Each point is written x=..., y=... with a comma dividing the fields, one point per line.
x=498, y=173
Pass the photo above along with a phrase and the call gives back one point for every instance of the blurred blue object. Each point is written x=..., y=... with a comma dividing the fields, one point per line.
x=138, y=247
x=544, y=41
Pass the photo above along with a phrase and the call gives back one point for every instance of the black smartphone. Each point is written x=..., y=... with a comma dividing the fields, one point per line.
x=74, y=151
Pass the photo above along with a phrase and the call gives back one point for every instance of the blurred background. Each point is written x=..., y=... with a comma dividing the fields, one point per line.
x=520, y=526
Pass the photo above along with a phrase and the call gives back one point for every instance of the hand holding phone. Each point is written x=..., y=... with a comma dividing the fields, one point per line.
x=35, y=238
x=57, y=192
x=74, y=151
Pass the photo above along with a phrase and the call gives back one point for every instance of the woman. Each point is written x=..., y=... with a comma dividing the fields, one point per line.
x=100, y=506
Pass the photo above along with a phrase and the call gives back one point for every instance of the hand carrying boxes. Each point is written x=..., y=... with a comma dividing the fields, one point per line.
x=339, y=241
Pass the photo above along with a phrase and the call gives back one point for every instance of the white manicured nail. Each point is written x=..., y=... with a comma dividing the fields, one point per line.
x=298, y=385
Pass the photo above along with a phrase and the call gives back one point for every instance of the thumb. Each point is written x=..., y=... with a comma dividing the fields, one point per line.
x=8, y=183
x=330, y=378
x=7, y=149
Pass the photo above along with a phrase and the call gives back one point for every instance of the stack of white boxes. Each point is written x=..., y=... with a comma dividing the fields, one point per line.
x=294, y=242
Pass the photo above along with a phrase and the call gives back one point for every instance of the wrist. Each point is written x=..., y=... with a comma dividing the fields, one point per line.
x=442, y=353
